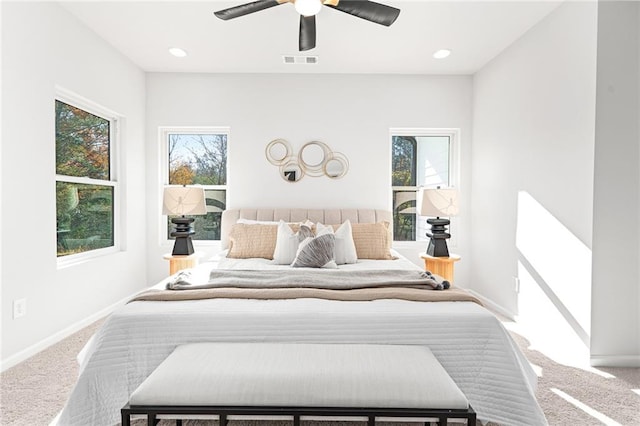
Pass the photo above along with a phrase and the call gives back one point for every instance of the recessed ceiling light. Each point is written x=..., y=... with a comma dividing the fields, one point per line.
x=177, y=52
x=442, y=53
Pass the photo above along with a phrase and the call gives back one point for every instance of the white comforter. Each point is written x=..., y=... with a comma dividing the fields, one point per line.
x=468, y=340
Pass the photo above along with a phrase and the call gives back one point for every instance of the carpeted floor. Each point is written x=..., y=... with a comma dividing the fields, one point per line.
x=34, y=391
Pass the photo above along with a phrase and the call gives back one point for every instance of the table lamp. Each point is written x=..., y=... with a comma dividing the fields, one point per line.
x=436, y=202
x=181, y=201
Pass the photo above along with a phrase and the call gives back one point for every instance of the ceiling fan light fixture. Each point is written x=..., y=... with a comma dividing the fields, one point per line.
x=308, y=7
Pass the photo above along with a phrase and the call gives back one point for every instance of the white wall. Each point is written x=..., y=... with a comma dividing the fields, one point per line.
x=616, y=277
x=44, y=46
x=532, y=175
x=1, y=181
x=351, y=113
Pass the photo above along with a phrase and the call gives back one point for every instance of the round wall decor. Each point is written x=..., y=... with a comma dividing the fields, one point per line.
x=315, y=159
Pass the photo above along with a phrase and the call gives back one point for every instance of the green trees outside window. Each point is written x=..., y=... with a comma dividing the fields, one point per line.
x=403, y=175
x=416, y=160
x=84, y=189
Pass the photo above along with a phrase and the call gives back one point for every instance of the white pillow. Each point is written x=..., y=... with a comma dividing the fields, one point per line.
x=287, y=242
x=345, y=248
x=256, y=222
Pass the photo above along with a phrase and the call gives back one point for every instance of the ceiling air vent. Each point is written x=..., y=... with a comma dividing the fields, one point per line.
x=290, y=59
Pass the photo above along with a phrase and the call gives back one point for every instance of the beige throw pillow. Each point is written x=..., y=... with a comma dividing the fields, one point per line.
x=253, y=240
x=372, y=240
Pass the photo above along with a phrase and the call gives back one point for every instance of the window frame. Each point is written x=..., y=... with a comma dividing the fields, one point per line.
x=163, y=137
x=454, y=171
x=77, y=101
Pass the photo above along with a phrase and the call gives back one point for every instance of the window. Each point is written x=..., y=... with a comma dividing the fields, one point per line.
x=198, y=156
x=418, y=158
x=85, y=187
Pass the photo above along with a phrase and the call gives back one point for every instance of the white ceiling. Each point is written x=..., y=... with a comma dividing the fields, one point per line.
x=476, y=31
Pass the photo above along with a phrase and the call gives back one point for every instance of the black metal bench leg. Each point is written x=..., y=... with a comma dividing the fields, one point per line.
x=372, y=421
x=296, y=420
x=126, y=418
x=178, y=422
x=471, y=417
x=223, y=420
x=151, y=420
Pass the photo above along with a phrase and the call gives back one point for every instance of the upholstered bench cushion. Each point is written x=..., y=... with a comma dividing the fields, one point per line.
x=300, y=375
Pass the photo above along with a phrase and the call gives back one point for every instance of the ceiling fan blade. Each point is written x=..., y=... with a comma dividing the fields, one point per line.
x=245, y=9
x=368, y=10
x=307, y=38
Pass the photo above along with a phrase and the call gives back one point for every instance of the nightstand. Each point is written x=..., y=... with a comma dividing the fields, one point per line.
x=442, y=266
x=177, y=263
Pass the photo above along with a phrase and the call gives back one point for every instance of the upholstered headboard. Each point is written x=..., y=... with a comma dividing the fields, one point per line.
x=325, y=216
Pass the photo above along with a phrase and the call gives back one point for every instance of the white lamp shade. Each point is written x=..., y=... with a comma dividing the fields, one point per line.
x=183, y=200
x=437, y=202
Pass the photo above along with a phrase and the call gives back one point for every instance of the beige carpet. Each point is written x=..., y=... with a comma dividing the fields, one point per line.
x=34, y=391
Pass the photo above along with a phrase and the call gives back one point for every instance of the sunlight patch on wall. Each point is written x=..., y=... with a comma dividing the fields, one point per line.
x=554, y=299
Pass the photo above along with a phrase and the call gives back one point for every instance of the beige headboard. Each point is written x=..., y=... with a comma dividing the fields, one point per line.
x=326, y=216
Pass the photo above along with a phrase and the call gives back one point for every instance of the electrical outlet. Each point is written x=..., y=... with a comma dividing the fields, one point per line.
x=19, y=308
x=516, y=284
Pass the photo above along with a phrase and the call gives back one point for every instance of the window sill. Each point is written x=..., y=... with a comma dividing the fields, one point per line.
x=77, y=259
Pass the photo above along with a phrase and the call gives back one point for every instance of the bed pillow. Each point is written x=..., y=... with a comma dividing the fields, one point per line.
x=256, y=222
x=287, y=242
x=255, y=240
x=372, y=240
x=248, y=241
x=316, y=252
x=345, y=248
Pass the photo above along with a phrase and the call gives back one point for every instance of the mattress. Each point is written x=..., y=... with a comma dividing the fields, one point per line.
x=467, y=339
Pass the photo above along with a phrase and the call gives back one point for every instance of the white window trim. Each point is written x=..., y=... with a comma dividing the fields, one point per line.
x=454, y=172
x=163, y=134
x=71, y=98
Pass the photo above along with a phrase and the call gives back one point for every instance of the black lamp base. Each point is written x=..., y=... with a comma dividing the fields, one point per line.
x=438, y=243
x=183, y=245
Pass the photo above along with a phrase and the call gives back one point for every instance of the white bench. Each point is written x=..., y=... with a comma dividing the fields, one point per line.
x=299, y=381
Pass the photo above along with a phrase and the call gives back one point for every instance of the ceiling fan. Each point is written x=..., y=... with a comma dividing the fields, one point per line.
x=308, y=9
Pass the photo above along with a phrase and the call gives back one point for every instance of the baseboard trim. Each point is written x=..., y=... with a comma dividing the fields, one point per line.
x=632, y=361
x=493, y=306
x=32, y=350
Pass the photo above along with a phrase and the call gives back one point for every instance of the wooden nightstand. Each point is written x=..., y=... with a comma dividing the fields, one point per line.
x=177, y=263
x=442, y=266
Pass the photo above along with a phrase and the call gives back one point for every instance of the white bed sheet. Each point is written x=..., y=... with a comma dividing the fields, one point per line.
x=469, y=341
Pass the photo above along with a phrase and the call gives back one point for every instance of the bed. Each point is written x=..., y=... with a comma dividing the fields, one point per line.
x=467, y=339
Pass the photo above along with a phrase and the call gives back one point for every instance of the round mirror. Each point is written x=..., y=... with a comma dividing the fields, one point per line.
x=278, y=151
x=291, y=171
x=313, y=156
x=336, y=166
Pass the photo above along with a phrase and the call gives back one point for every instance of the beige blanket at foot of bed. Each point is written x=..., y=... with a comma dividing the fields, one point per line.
x=359, y=294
